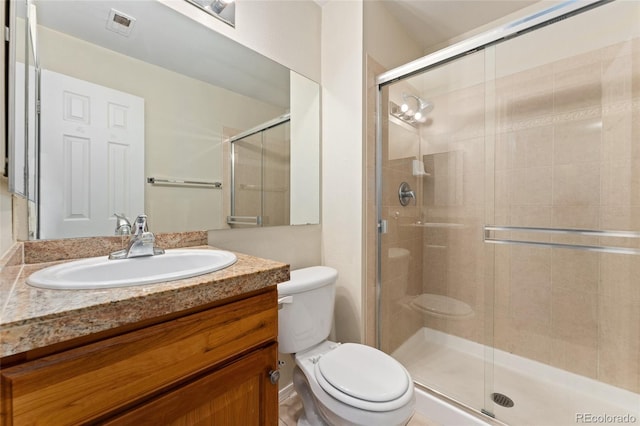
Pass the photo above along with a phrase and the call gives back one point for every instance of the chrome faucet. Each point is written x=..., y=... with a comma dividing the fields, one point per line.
x=142, y=242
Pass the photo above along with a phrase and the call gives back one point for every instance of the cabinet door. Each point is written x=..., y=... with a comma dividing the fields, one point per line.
x=238, y=394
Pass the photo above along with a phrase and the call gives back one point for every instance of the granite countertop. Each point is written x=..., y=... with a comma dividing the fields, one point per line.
x=32, y=318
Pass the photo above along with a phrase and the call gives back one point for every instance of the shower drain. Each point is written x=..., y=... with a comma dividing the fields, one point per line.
x=502, y=400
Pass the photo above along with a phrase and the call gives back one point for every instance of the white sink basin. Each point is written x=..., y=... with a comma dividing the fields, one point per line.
x=100, y=272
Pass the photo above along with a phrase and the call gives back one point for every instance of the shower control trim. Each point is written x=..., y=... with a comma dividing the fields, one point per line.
x=405, y=194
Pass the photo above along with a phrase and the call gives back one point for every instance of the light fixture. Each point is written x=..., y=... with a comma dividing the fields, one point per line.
x=413, y=109
x=218, y=5
x=422, y=106
x=216, y=8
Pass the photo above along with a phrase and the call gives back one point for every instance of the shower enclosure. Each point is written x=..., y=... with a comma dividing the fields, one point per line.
x=260, y=174
x=510, y=281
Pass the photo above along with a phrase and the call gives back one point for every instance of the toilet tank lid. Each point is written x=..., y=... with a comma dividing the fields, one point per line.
x=308, y=279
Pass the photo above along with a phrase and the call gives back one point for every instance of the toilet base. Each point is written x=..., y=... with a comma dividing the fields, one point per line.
x=308, y=417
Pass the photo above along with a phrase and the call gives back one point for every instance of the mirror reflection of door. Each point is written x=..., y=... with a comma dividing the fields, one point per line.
x=92, y=144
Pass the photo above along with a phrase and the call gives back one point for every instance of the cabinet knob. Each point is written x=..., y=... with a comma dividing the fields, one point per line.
x=274, y=376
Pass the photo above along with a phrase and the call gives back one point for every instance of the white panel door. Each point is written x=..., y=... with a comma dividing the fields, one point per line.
x=92, y=157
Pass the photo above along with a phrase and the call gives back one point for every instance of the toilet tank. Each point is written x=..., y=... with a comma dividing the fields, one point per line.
x=306, y=314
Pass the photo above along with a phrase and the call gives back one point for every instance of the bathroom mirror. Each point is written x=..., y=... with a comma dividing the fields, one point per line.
x=138, y=103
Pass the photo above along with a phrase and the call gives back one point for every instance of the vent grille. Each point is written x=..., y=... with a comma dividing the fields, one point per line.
x=120, y=23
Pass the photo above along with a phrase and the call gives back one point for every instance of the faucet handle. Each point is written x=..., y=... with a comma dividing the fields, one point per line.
x=122, y=218
x=123, y=225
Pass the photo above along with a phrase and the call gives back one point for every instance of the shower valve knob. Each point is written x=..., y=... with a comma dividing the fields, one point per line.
x=405, y=194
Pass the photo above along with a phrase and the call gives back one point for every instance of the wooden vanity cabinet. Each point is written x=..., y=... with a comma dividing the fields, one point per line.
x=207, y=368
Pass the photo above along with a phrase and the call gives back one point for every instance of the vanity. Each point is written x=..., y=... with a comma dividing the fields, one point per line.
x=200, y=350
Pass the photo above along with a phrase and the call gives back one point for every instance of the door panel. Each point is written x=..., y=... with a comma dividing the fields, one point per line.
x=92, y=147
x=239, y=394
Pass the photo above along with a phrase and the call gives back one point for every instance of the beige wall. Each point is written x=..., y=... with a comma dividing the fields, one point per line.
x=385, y=39
x=295, y=245
x=342, y=151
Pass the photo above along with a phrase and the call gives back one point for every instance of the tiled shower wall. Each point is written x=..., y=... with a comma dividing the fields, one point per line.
x=401, y=246
x=454, y=208
x=402, y=254
x=568, y=156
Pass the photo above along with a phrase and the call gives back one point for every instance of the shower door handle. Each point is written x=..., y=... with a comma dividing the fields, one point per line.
x=489, y=238
x=244, y=220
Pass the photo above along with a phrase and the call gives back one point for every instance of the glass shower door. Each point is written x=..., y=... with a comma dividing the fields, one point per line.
x=275, y=192
x=436, y=305
x=247, y=181
x=260, y=175
x=508, y=273
x=567, y=162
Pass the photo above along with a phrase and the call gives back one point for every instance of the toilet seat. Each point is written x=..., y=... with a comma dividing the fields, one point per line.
x=364, y=377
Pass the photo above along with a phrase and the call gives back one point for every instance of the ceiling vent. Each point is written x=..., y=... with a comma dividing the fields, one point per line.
x=120, y=23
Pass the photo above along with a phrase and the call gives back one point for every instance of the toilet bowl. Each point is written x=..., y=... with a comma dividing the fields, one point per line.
x=339, y=384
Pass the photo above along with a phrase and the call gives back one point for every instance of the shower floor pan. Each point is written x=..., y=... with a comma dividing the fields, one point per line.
x=542, y=395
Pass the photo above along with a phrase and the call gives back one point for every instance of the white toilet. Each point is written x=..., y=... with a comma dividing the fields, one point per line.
x=340, y=384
